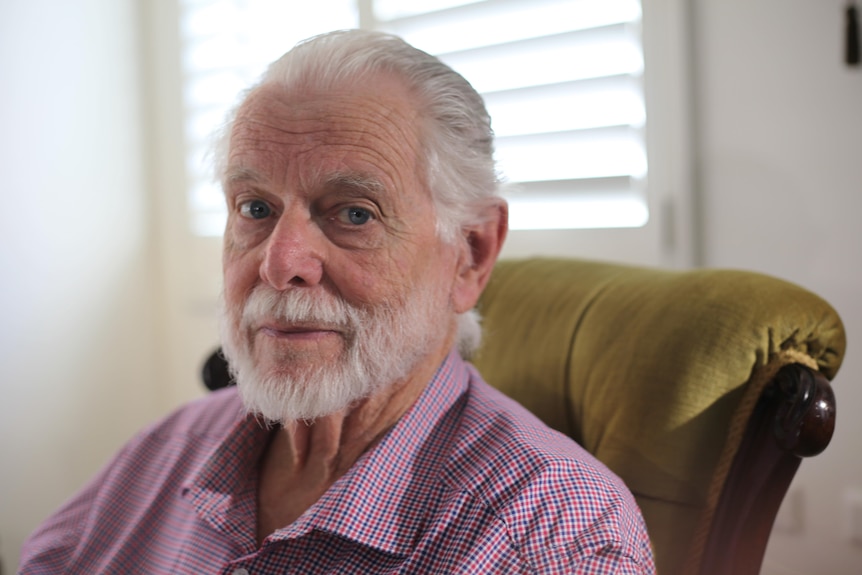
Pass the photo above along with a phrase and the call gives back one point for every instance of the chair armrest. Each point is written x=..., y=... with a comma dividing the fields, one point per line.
x=794, y=418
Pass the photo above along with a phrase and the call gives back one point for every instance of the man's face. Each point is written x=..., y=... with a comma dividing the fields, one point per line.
x=335, y=280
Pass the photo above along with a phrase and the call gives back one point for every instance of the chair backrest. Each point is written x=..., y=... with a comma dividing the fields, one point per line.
x=658, y=373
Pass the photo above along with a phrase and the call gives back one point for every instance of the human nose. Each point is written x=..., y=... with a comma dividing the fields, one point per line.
x=293, y=254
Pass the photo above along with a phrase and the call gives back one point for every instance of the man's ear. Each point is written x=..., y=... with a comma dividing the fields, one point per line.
x=483, y=243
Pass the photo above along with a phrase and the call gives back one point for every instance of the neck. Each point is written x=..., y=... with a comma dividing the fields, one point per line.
x=304, y=459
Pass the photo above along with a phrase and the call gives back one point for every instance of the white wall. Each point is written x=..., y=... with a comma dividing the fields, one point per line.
x=77, y=313
x=82, y=361
x=780, y=145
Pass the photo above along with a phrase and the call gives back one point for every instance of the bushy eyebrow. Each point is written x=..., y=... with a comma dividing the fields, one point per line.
x=243, y=175
x=346, y=183
x=356, y=182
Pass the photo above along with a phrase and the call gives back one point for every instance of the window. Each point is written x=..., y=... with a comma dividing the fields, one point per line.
x=562, y=80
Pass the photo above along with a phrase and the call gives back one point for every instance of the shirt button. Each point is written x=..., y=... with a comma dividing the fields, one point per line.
x=240, y=571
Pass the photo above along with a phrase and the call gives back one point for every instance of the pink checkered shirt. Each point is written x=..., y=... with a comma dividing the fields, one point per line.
x=466, y=482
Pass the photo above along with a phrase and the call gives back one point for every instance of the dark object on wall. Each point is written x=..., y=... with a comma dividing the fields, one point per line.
x=852, y=35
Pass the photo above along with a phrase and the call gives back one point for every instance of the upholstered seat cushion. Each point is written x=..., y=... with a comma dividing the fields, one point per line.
x=655, y=372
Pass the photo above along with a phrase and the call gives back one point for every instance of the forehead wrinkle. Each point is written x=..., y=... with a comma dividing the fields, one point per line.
x=380, y=134
x=397, y=123
x=368, y=146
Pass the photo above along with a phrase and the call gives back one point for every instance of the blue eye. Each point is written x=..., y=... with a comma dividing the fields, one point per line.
x=358, y=216
x=255, y=209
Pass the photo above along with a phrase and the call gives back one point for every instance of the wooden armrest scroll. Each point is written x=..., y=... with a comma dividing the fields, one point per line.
x=806, y=410
x=794, y=418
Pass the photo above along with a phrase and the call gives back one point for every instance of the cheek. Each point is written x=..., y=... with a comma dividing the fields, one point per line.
x=240, y=277
x=442, y=269
x=240, y=236
x=361, y=282
x=366, y=280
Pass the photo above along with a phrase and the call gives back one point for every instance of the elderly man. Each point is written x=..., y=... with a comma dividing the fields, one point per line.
x=363, y=224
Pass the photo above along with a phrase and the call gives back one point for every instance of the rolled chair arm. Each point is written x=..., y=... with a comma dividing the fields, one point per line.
x=805, y=418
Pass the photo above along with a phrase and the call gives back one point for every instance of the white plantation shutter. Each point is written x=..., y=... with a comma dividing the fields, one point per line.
x=562, y=82
x=561, y=79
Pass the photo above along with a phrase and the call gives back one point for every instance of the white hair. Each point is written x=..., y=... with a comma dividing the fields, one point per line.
x=457, y=139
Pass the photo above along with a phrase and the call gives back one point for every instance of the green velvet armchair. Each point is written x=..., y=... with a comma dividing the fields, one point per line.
x=701, y=389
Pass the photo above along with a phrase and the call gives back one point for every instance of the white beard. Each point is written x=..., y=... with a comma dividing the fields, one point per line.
x=382, y=345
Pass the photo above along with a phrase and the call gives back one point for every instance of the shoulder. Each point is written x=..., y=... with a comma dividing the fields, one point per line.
x=210, y=416
x=178, y=445
x=183, y=437
x=501, y=446
x=546, y=490
x=141, y=481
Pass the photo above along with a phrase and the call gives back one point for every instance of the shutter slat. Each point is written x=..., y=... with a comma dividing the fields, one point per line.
x=493, y=23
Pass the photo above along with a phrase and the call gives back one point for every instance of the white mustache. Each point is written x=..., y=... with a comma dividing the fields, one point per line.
x=299, y=307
